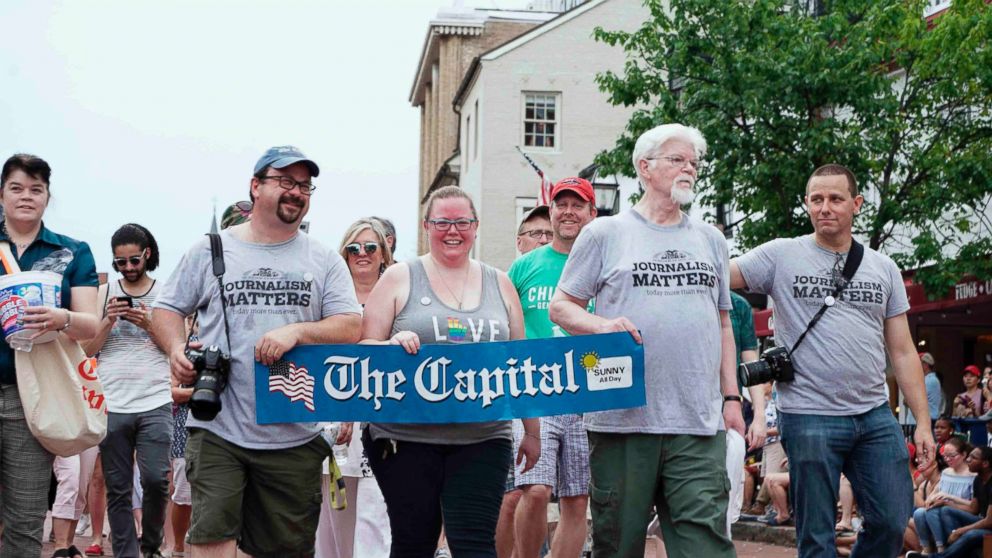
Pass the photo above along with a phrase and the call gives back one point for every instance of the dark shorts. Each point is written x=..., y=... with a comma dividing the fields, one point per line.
x=267, y=500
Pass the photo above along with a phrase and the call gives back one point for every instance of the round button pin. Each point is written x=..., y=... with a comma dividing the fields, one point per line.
x=829, y=300
x=308, y=276
x=425, y=301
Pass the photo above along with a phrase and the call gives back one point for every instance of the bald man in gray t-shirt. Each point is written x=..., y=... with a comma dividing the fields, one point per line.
x=834, y=417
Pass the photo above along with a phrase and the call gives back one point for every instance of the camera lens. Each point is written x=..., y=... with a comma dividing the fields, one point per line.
x=754, y=373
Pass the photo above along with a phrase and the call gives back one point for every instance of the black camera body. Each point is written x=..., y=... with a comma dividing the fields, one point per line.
x=212, y=369
x=774, y=364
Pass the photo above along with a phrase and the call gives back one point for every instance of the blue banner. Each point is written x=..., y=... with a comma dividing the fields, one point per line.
x=452, y=383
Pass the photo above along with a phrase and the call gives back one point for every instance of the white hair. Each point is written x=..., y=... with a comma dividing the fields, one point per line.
x=650, y=141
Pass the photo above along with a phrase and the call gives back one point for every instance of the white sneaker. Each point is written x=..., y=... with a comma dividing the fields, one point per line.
x=83, y=525
x=442, y=553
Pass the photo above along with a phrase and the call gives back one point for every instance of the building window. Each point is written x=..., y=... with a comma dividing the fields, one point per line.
x=541, y=120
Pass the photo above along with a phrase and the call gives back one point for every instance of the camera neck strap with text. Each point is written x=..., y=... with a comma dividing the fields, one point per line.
x=851, y=264
x=217, y=261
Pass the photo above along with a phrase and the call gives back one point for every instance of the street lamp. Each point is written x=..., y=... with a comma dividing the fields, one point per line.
x=607, y=193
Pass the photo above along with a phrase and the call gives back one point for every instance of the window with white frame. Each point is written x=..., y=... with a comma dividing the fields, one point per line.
x=541, y=114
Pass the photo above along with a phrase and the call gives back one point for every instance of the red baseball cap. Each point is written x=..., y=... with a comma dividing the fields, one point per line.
x=972, y=369
x=580, y=186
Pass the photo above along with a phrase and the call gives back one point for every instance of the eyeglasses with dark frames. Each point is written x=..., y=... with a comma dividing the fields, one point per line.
x=287, y=183
x=355, y=248
x=538, y=234
x=445, y=224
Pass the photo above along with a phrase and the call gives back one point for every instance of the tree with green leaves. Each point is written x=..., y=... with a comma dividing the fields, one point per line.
x=780, y=87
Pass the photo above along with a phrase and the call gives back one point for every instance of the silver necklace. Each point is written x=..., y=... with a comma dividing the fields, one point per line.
x=458, y=299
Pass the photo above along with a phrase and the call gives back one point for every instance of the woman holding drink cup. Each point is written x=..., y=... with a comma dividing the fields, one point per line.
x=26, y=466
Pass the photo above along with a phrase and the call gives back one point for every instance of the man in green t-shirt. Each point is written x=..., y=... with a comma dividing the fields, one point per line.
x=564, y=464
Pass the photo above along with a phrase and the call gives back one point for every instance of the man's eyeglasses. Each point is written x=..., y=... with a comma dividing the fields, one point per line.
x=133, y=260
x=680, y=161
x=445, y=224
x=287, y=183
x=538, y=234
x=355, y=248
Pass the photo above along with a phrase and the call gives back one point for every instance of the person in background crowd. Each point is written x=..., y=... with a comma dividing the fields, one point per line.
x=656, y=273
x=956, y=491
x=25, y=466
x=828, y=428
x=135, y=376
x=931, y=381
x=969, y=403
x=457, y=471
x=390, y=230
x=746, y=343
x=943, y=429
x=563, y=468
x=969, y=530
x=363, y=525
x=231, y=460
x=927, y=480
x=73, y=474
x=535, y=229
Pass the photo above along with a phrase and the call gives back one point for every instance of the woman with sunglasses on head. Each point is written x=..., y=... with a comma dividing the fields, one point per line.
x=363, y=524
x=25, y=466
x=455, y=471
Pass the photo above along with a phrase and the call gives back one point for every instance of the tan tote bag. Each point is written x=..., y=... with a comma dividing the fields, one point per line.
x=62, y=397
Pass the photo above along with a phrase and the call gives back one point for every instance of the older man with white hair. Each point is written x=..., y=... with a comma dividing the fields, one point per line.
x=664, y=277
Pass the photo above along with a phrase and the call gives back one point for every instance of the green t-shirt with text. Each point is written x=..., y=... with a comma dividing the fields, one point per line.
x=535, y=276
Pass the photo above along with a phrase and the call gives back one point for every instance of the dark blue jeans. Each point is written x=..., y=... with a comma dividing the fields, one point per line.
x=870, y=450
x=422, y=483
x=935, y=525
x=966, y=546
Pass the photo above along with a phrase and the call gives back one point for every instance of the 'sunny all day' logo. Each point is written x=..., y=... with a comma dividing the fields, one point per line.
x=607, y=373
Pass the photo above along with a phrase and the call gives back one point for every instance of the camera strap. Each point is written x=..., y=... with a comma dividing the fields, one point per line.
x=851, y=265
x=218, y=268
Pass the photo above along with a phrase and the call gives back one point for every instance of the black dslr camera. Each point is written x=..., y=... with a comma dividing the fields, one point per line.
x=773, y=364
x=212, y=368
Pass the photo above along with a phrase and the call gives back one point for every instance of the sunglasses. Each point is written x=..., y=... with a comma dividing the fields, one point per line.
x=355, y=248
x=133, y=260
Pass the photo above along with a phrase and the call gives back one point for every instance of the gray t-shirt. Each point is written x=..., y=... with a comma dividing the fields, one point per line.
x=840, y=366
x=266, y=287
x=671, y=282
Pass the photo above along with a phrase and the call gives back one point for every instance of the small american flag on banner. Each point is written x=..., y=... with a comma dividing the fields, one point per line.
x=544, y=190
x=292, y=382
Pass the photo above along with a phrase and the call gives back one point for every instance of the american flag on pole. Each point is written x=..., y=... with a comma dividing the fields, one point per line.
x=544, y=190
x=295, y=383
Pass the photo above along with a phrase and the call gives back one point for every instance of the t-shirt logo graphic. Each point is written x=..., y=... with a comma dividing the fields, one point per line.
x=668, y=255
x=295, y=383
x=456, y=330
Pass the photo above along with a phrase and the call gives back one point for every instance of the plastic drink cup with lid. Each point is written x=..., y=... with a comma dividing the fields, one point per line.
x=19, y=291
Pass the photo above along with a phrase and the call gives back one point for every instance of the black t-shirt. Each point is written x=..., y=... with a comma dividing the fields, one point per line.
x=983, y=492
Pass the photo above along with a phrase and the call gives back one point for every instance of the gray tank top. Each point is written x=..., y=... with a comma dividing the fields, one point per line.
x=437, y=323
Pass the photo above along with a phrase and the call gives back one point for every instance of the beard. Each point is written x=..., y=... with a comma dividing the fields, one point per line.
x=682, y=196
x=290, y=216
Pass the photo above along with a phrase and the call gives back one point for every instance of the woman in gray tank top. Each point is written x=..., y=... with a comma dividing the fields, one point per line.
x=454, y=471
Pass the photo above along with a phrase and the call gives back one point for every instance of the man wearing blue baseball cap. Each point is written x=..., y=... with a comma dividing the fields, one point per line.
x=258, y=486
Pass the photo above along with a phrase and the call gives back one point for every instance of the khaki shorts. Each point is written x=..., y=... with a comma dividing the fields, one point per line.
x=267, y=500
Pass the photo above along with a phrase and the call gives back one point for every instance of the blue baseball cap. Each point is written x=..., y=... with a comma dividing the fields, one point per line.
x=284, y=155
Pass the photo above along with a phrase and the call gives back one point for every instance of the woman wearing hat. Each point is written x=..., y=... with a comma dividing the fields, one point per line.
x=969, y=403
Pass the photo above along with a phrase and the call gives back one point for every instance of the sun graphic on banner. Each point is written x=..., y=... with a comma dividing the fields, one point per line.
x=590, y=360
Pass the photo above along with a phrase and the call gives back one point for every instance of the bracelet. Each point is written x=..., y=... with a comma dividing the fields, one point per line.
x=68, y=321
x=736, y=398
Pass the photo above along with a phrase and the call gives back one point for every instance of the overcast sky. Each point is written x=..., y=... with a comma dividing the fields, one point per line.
x=149, y=111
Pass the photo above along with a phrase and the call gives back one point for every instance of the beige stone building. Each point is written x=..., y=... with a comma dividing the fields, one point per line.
x=454, y=38
x=538, y=92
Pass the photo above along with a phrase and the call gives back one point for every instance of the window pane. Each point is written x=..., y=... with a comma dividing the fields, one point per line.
x=549, y=141
x=551, y=113
x=539, y=114
x=529, y=140
x=539, y=141
x=528, y=127
x=529, y=113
